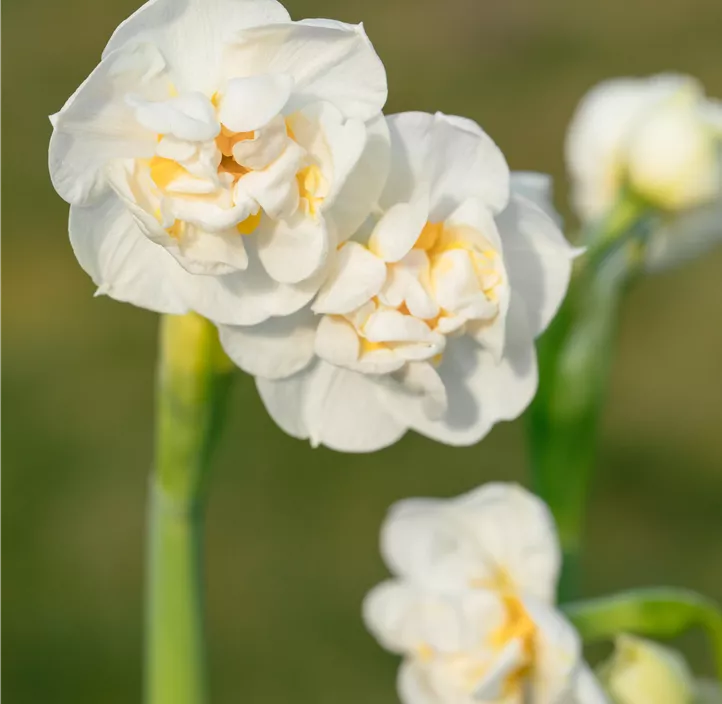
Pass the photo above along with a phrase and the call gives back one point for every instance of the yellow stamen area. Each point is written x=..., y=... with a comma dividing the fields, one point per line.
x=429, y=235
x=176, y=229
x=517, y=626
x=164, y=171
x=425, y=652
x=310, y=179
x=247, y=226
x=368, y=346
x=227, y=139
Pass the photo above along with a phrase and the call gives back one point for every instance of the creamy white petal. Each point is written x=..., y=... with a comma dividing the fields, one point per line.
x=250, y=103
x=393, y=326
x=421, y=381
x=275, y=188
x=121, y=260
x=96, y=125
x=480, y=391
x=264, y=147
x=515, y=532
x=419, y=543
x=331, y=62
x=248, y=297
x=557, y=652
x=213, y=253
x=333, y=407
x=336, y=341
x=274, y=349
x=413, y=685
x=363, y=185
x=191, y=34
x=538, y=188
x=587, y=689
x=451, y=157
x=538, y=259
x=356, y=276
x=292, y=250
x=684, y=237
x=398, y=229
x=409, y=618
x=190, y=116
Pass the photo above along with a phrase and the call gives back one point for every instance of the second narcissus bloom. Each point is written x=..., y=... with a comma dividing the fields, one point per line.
x=217, y=154
x=658, y=139
x=471, y=605
x=428, y=316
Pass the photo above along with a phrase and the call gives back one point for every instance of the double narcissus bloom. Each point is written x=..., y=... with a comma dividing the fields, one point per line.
x=471, y=606
x=217, y=153
x=661, y=139
x=428, y=316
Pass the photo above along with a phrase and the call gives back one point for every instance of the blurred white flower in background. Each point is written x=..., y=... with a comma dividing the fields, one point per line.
x=471, y=606
x=428, y=317
x=217, y=152
x=661, y=138
x=641, y=671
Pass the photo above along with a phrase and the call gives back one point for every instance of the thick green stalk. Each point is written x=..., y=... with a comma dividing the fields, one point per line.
x=574, y=362
x=193, y=376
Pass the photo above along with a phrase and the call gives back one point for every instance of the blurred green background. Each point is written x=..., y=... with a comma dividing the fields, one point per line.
x=292, y=532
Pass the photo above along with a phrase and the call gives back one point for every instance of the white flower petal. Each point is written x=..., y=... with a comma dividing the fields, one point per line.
x=408, y=618
x=398, y=229
x=393, y=326
x=189, y=116
x=336, y=341
x=333, y=407
x=587, y=689
x=264, y=147
x=250, y=103
x=356, y=276
x=684, y=237
x=424, y=386
x=213, y=253
x=557, y=652
x=451, y=157
x=274, y=349
x=292, y=250
x=275, y=188
x=414, y=687
x=121, y=260
x=538, y=188
x=419, y=543
x=331, y=62
x=96, y=125
x=538, y=259
x=248, y=297
x=515, y=531
x=364, y=183
x=191, y=34
x=480, y=391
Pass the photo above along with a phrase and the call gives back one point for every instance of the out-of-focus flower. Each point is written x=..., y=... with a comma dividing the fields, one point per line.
x=660, y=138
x=471, y=606
x=217, y=152
x=643, y=672
x=428, y=318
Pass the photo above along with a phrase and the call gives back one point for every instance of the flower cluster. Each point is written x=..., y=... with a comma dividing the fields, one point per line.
x=375, y=274
x=471, y=606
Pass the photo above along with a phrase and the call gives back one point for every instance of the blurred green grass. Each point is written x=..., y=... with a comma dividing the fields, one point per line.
x=292, y=532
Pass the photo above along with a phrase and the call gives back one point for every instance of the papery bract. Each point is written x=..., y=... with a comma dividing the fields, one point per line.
x=660, y=138
x=428, y=316
x=217, y=153
x=471, y=606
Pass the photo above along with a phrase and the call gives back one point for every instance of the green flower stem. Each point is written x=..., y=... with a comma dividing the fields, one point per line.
x=657, y=613
x=574, y=361
x=193, y=379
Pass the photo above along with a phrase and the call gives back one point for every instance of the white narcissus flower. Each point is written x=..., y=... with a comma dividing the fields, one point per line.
x=428, y=317
x=471, y=605
x=217, y=153
x=661, y=137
